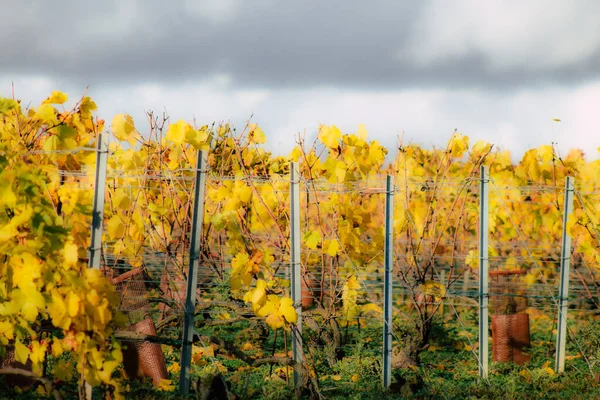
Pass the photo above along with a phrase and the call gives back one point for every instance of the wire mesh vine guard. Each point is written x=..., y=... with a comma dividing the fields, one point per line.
x=510, y=322
x=140, y=359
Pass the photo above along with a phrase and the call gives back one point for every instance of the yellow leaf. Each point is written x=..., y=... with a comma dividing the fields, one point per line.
x=7, y=196
x=362, y=132
x=56, y=97
x=198, y=139
x=556, y=120
x=177, y=132
x=340, y=171
x=336, y=378
x=21, y=352
x=458, y=145
x=432, y=288
x=525, y=374
x=6, y=329
x=70, y=254
x=256, y=135
x=287, y=309
x=165, y=385
x=57, y=348
x=115, y=227
x=546, y=152
x=51, y=143
x=86, y=106
x=209, y=351
x=480, y=148
x=73, y=302
x=242, y=192
x=122, y=199
x=530, y=279
x=355, y=378
x=124, y=128
x=29, y=311
x=472, y=259
x=107, y=369
x=38, y=352
x=224, y=316
x=174, y=368
x=330, y=136
x=275, y=321
x=41, y=390
x=270, y=306
x=371, y=308
x=333, y=248
x=353, y=283
x=46, y=113
x=297, y=153
x=258, y=296
x=93, y=298
x=312, y=239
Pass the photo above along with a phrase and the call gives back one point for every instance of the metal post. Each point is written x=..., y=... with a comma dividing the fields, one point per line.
x=296, y=284
x=387, y=282
x=565, y=264
x=192, y=276
x=483, y=274
x=95, y=250
x=443, y=283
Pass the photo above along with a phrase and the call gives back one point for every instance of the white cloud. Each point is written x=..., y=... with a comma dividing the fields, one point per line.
x=214, y=10
x=249, y=99
x=530, y=35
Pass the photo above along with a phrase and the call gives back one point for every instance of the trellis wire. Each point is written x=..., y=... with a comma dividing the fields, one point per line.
x=368, y=290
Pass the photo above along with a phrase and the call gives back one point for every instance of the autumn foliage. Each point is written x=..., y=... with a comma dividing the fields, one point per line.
x=52, y=305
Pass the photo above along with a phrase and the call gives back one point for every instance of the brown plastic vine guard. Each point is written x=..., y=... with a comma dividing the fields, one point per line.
x=510, y=323
x=144, y=358
x=140, y=359
x=510, y=338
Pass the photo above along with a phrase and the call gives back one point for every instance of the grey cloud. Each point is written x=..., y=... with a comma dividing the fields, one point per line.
x=304, y=43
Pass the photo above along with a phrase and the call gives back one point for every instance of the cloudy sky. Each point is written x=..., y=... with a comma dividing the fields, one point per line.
x=494, y=70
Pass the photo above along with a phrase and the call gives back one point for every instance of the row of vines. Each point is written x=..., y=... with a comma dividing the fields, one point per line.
x=62, y=319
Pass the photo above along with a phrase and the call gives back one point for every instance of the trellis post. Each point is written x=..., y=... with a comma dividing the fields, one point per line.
x=565, y=264
x=483, y=273
x=296, y=283
x=387, y=282
x=192, y=275
x=95, y=250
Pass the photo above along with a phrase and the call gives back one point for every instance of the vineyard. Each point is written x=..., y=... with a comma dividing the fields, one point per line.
x=189, y=261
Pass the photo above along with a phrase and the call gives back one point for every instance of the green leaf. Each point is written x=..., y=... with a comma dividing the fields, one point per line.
x=6, y=105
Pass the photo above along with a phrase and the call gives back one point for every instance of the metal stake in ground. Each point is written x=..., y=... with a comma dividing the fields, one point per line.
x=483, y=274
x=387, y=282
x=95, y=250
x=192, y=276
x=295, y=267
x=565, y=264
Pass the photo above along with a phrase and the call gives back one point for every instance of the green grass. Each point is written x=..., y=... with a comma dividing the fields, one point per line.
x=448, y=369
